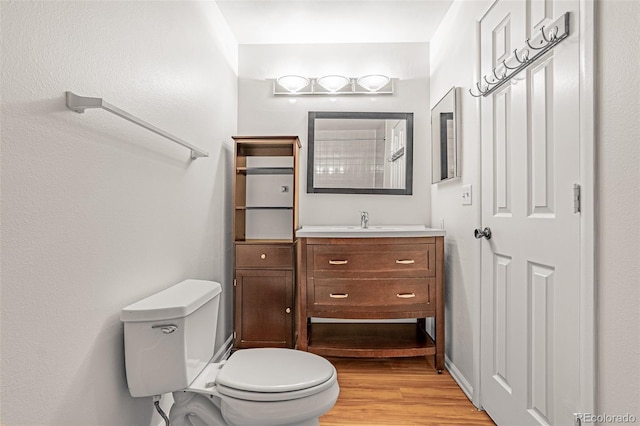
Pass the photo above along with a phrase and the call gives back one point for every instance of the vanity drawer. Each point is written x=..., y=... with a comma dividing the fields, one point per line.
x=383, y=295
x=373, y=261
x=264, y=256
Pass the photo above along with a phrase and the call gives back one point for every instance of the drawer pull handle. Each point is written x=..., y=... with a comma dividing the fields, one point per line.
x=263, y=256
x=406, y=295
x=405, y=261
x=338, y=262
x=288, y=310
x=338, y=295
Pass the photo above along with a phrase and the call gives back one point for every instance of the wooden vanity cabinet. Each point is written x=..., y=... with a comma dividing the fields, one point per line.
x=371, y=278
x=265, y=218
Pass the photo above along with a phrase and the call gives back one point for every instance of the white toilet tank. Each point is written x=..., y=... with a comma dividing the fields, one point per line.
x=169, y=337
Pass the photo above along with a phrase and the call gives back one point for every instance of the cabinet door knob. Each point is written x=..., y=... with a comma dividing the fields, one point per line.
x=288, y=310
x=338, y=262
x=338, y=295
x=263, y=256
x=405, y=261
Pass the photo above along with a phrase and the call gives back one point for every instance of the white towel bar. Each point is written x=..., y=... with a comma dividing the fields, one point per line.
x=80, y=103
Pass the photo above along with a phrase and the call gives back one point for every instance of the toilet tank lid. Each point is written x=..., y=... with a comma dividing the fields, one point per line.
x=177, y=301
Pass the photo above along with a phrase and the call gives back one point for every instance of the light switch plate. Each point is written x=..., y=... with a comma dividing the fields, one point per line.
x=466, y=195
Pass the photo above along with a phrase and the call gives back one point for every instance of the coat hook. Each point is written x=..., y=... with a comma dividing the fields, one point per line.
x=482, y=92
x=507, y=67
x=525, y=56
x=535, y=48
x=504, y=74
x=553, y=34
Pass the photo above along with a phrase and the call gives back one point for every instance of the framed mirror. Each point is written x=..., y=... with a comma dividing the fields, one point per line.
x=445, y=160
x=360, y=153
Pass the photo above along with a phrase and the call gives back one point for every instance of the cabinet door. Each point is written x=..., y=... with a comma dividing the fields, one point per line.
x=264, y=308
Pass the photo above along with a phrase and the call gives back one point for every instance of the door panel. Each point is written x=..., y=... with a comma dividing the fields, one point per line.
x=502, y=284
x=541, y=187
x=540, y=333
x=501, y=153
x=530, y=266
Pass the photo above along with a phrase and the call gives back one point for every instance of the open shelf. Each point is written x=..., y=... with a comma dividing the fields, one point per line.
x=265, y=170
x=370, y=340
x=264, y=208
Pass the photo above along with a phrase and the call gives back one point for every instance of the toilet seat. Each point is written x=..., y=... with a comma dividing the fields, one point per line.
x=272, y=374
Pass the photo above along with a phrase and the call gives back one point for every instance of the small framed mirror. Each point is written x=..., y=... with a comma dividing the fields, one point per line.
x=444, y=138
x=360, y=153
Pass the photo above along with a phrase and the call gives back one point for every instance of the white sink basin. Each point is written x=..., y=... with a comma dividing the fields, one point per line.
x=337, y=231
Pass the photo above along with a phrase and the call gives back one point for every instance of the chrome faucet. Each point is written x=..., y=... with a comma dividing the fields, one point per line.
x=364, y=220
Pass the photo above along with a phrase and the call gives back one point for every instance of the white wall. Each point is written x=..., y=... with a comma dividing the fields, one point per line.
x=96, y=212
x=618, y=205
x=262, y=113
x=453, y=63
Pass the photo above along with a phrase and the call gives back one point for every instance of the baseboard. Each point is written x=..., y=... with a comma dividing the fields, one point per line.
x=459, y=378
x=224, y=351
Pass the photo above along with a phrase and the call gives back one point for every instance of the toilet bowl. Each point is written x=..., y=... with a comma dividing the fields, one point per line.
x=169, y=343
x=259, y=387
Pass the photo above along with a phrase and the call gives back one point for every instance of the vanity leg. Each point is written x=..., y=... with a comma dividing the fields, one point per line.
x=439, y=305
x=302, y=321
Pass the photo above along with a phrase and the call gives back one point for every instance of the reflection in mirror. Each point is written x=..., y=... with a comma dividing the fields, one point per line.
x=360, y=153
x=444, y=138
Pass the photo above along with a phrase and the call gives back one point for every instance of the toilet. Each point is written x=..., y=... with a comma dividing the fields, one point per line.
x=169, y=342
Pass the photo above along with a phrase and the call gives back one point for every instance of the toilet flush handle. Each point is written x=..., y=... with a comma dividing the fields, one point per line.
x=166, y=328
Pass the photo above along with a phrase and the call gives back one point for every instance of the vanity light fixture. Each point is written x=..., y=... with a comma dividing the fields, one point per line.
x=293, y=83
x=373, y=84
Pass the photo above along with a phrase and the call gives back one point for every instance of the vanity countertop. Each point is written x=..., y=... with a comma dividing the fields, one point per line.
x=343, y=231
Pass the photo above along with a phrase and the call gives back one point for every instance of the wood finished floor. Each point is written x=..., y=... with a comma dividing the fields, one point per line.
x=398, y=392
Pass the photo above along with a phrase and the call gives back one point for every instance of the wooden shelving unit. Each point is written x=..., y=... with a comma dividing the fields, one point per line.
x=265, y=217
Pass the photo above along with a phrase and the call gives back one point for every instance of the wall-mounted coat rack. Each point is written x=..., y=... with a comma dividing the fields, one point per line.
x=80, y=103
x=523, y=57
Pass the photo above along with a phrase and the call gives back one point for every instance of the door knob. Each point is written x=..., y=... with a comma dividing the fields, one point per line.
x=479, y=233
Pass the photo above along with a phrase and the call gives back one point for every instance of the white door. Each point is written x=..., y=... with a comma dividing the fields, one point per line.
x=530, y=266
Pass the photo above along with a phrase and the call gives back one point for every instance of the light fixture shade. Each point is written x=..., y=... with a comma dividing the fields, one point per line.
x=373, y=82
x=293, y=83
x=333, y=83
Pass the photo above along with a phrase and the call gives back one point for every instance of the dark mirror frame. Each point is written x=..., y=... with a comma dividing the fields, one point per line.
x=408, y=116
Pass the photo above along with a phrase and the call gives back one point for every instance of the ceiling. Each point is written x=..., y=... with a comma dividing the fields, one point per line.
x=332, y=21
